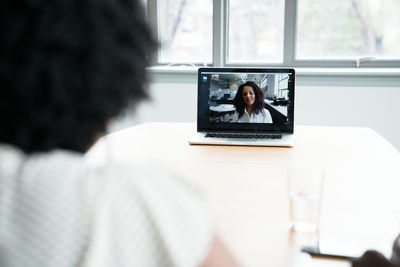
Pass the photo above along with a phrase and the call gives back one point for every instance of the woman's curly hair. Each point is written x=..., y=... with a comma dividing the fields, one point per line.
x=258, y=104
x=67, y=67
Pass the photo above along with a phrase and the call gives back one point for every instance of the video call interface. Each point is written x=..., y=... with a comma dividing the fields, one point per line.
x=223, y=87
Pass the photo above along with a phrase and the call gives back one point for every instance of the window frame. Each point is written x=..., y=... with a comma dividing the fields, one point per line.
x=220, y=44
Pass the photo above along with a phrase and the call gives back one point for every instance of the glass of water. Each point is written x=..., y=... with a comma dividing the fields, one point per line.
x=304, y=192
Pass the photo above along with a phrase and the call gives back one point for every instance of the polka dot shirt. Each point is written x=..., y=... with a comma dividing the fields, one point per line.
x=56, y=211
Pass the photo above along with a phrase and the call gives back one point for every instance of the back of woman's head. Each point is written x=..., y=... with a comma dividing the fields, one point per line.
x=67, y=67
x=259, y=103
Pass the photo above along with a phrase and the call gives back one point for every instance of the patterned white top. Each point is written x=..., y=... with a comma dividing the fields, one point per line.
x=55, y=211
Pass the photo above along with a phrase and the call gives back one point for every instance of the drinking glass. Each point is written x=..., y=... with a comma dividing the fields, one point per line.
x=304, y=192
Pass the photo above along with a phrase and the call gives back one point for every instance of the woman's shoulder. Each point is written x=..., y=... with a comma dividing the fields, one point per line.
x=151, y=183
x=267, y=116
x=156, y=205
x=142, y=206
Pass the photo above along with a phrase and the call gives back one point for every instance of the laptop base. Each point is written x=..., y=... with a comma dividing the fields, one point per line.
x=287, y=140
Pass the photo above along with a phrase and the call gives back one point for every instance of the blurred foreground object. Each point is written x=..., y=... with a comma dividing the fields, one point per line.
x=372, y=258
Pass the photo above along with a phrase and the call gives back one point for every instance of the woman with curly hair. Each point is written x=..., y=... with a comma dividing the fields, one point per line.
x=67, y=68
x=249, y=104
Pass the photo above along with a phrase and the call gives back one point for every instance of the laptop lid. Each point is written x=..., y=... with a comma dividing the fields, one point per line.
x=222, y=104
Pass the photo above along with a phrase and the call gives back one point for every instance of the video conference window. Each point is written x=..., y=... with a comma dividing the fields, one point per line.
x=249, y=98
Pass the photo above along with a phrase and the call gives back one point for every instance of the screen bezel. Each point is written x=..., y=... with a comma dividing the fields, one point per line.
x=203, y=124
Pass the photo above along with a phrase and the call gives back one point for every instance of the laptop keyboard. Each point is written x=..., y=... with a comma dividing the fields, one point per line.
x=244, y=136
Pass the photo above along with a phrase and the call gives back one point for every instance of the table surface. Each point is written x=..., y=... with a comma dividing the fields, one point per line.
x=281, y=109
x=223, y=108
x=246, y=187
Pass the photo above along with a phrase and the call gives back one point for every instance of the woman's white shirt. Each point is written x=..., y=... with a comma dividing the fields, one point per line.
x=55, y=211
x=262, y=117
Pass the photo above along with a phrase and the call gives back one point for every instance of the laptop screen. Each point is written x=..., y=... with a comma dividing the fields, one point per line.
x=246, y=100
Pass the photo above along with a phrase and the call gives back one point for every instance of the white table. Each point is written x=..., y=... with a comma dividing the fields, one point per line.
x=223, y=108
x=281, y=109
x=246, y=186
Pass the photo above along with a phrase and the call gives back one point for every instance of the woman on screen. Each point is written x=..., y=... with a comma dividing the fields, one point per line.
x=249, y=104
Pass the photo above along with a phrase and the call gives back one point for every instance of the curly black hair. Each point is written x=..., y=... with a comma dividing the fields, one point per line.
x=258, y=104
x=67, y=67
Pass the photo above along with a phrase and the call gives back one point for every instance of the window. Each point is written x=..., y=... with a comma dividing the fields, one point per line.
x=310, y=33
x=185, y=31
x=354, y=28
x=255, y=31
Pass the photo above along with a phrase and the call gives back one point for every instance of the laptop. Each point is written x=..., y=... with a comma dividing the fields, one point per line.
x=245, y=106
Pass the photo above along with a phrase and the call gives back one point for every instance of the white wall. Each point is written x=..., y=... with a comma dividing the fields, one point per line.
x=374, y=107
